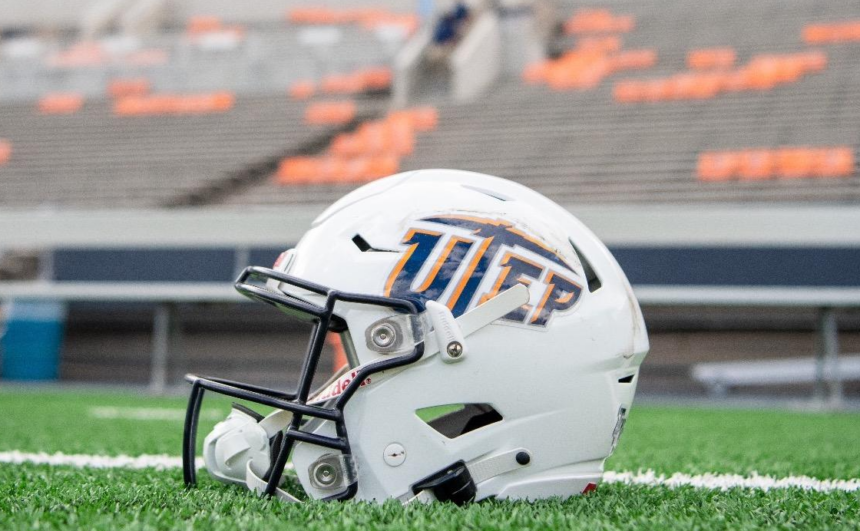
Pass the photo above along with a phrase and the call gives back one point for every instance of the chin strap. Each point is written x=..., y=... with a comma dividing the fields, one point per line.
x=258, y=485
x=480, y=470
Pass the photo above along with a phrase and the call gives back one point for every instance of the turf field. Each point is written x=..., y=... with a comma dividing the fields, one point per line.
x=691, y=441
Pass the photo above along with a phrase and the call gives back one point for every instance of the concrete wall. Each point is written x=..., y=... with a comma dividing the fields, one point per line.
x=43, y=13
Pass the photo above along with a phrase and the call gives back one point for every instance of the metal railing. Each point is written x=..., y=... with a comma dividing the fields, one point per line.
x=167, y=296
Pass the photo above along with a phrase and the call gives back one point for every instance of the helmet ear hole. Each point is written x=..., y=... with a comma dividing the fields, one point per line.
x=455, y=420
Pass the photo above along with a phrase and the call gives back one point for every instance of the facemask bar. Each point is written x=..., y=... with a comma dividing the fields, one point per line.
x=296, y=402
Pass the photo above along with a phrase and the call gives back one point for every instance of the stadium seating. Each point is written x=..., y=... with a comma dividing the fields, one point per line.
x=782, y=163
x=124, y=87
x=763, y=72
x=700, y=81
x=584, y=146
x=372, y=151
x=711, y=58
x=173, y=104
x=832, y=33
x=368, y=18
x=61, y=103
x=181, y=62
x=330, y=113
x=95, y=158
x=598, y=21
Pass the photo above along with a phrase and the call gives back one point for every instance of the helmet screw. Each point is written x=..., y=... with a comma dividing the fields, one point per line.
x=325, y=474
x=383, y=335
x=523, y=458
x=455, y=349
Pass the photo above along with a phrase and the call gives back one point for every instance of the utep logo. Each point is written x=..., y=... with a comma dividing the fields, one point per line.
x=468, y=260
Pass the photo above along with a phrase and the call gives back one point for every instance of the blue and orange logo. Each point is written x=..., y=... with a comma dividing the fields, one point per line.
x=467, y=260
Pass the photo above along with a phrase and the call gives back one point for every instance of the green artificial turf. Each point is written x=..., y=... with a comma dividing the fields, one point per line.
x=43, y=497
x=667, y=440
x=690, y=440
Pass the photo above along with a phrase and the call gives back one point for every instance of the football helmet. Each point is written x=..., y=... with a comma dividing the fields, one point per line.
x=493, y=348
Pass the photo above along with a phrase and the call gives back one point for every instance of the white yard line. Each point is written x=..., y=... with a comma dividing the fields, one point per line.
x=648, y=478
x=159, y=462
x=150, y=413
x=729, y=481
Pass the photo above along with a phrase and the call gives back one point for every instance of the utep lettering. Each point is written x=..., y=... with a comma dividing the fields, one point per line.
x=490, y=237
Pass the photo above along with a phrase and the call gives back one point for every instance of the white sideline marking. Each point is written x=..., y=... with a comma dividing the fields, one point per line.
x=649, y=478
x=159, y=462
x=149, y=413
x=729, y=481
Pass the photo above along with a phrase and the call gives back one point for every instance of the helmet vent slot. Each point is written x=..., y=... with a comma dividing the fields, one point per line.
x=627, y=379
x=494, y=195
x=365, y=247
x=455, y=420
x=594, y=283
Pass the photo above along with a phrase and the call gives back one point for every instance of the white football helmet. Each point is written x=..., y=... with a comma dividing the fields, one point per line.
x=493, y=349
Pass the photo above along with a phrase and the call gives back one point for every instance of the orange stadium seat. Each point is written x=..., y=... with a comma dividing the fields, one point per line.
x=341, y=84
x=682, y=86
x=335, y=169
x=756, y=164
x=581, y=75
x=422, y=118
x=763, y=72
x=602, y=44
x=782, y=163
x=628, y=91
x=348, y=144
x=203, y=24
x=150, y=57
x=373, y=151
x=5, y=151
x=717, y=166
x=382, y=166
x=61, y=103
x=795, y=162
x=598, y=21
x=377, y=78
x=368, y=18
x=392, y=135
x=388, y=136
x=632, y=59
x=710, y=58
x=536, y=72
x=80, y=54
x=119, y=88
x=657, y=90
x=737, y=81
x=297, y=170
x=834, y=162
x=585, y=67
x=812, y=61
x=367, y=79
x=833, y=33
x=171, y=104
x=302, y=90
x=314, y=15
x=330, y=113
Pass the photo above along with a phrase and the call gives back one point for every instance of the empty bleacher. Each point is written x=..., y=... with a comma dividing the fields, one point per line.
x=582, y=146
x=572, y=144
x=94, y=158
x=266, y=60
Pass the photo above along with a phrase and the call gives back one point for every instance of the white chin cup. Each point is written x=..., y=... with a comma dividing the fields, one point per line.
x=232, y=444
